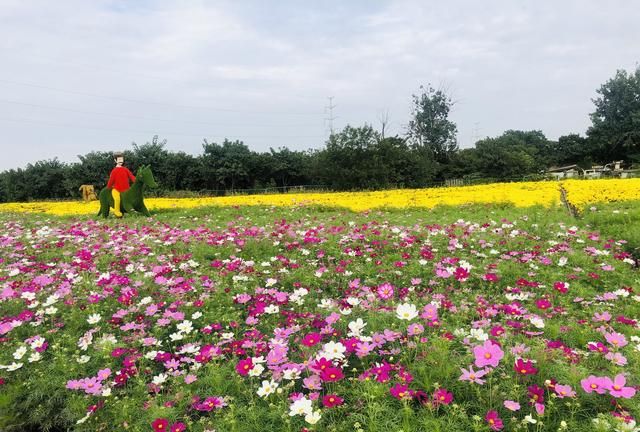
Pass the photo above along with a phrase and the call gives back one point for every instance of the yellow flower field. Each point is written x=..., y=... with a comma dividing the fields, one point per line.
x=546, y=193
x=580, y=193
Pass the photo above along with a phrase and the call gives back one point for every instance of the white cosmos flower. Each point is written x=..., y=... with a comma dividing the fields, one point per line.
x=537, y=322
x=185, y=326
x=257, y=370
x=300, y=407
x=313, y=417
x=20, y=352
x=13, y=366
x=356, y=327
x=159, y=379
x=406, y=311
x=332, y=351
x=267, y=388
x=94, y=319
x=272, y=309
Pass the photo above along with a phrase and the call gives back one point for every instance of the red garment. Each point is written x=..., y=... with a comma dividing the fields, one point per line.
x=119, y=179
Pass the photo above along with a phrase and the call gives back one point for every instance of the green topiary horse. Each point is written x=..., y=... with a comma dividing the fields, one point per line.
x=131, y=199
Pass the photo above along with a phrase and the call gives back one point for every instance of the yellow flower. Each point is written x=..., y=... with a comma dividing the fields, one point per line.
x=526, y=194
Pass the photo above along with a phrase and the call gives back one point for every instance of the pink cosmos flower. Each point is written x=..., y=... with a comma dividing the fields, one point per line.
x=598, y=346
x=311, y=339
x=564, y=391
x=604, y=316
x=442, y=396
x=188, y=379
x=562, y=287
x=511, y=405
x=212, y=402
x=401, y=391
x=364, y=349
x=616, y=358
x=472, y=376
x=429, y=312
x=331, y=374
x=616, y=339
x=494, y=421
x=244, y=366
x=488, y=354
x=415, y=329
x=312, y=382
x=596, y=384
x=332, y=400
x=524, y=367
x=385, y=291
x=103, y=374
x=160, y=424
x=178, y=427
x=618, y=388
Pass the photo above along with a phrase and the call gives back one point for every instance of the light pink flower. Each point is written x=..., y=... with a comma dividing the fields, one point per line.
x=511, y=405
x=488, y=354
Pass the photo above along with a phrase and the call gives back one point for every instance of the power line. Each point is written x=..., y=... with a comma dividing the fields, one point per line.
x=129, y=116
x=32, y=121
x=153, y=102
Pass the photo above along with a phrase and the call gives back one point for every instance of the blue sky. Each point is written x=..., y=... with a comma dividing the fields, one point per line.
x=98, y=75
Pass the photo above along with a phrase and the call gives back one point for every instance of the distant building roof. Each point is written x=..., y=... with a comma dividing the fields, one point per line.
x=564, y=168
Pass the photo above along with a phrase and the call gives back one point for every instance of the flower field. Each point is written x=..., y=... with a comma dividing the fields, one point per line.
x=525, y=194
x=288, y=318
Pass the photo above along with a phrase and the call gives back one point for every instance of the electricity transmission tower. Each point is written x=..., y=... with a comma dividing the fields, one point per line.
x=329, y=110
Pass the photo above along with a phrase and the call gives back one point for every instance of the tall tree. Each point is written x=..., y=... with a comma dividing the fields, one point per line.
x=430, y=127
x=616, y=120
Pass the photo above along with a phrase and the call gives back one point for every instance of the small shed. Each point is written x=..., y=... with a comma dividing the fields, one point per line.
x=564, y=172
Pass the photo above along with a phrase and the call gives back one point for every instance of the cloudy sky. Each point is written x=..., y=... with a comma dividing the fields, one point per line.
x=78, y=76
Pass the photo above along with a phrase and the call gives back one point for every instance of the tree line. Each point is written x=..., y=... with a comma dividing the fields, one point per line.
x=359, y=157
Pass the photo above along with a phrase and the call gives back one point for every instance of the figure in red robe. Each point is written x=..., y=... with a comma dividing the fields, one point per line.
x=119, y=181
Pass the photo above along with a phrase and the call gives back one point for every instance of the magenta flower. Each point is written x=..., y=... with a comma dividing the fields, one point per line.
x=494, y=421
x=160, y=424
x=598, y=346
x=332, y=400
x=442, y=396
x=472, y=376
x=618, y=389
x=488, y=354
x=331, y=374
x=311, y=339
x=401, y=391
x=596, y=384
x=178, y=427
x=244, y=366
x=524, y=367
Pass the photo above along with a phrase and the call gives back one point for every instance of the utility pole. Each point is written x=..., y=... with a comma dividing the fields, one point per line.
x=331, y=118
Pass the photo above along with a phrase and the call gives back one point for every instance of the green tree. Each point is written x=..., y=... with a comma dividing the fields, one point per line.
x=514, y=154
x=348, y=159
x=227, y=166
x=615, y=126
x=430, y=128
